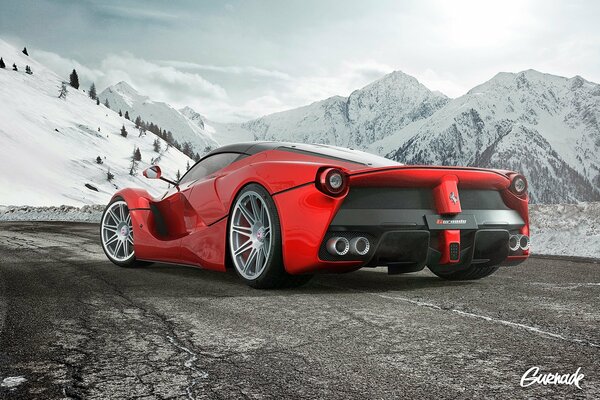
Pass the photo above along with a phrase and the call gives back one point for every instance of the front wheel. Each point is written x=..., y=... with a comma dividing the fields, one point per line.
x=255, y=241
x=116, y=232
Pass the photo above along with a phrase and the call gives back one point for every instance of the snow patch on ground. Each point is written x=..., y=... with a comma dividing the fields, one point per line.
x=556, y=229
x=61, y=213
x=566, y=229
x=12, y=381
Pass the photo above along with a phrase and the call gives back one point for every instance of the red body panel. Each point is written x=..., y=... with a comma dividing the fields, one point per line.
x=195, y=217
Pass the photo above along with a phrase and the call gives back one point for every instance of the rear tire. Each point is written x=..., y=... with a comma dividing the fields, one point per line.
x=254, y=237
x=471, y=273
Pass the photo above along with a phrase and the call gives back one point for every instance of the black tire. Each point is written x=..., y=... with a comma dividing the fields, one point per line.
x=471, y=273
x=273, y=276
x=131, y=261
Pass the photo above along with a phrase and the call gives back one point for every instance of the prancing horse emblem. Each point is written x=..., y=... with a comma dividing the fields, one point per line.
x=453, y=197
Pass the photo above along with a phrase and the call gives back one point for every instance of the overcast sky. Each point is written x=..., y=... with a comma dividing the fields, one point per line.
x=235, y=60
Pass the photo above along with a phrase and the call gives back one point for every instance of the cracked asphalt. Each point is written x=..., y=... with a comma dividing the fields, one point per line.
x=73, y=325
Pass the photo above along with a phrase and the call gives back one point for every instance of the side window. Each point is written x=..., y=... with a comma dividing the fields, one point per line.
x=209, y=166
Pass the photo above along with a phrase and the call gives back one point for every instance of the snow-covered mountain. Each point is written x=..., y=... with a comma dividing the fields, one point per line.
x=49, y=146
x=186, y=124
x=546, y=126
x=367, y=115
x=122, y=97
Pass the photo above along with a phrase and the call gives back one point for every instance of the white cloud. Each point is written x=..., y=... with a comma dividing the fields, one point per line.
x=237, y=70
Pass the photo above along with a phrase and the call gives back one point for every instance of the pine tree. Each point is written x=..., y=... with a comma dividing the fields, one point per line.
x=178, y=176
x=109, y=176
x=156, y=145
x=74, y=79
x=25, y=51
x=137, y=155
x=120, y=113
x=92, y=92
x=126, y=115
x=97, y=101
x=187, y=166
x=106, y=103
x=99, y=160
x=134, y=161
x=63, y=91
x=28, y=70
x=123, y=131
x=2, y=65
x=138, y=122
x=15, y=67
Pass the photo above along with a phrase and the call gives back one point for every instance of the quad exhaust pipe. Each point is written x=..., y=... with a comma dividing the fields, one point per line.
x=359, y=246
x=516, y=242
x=340, y=246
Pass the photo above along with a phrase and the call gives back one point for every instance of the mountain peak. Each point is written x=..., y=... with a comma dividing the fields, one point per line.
x=124, y=87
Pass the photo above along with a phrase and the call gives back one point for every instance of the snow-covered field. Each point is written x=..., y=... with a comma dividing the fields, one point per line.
x=557, y=229
x=49, y=146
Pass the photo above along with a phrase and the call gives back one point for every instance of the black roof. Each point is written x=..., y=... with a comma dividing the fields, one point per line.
x=327, y=151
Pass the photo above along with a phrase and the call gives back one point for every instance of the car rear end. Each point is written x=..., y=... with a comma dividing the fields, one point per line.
x=407, y=217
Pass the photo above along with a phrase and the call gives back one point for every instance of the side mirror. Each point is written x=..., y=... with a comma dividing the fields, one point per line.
x=153, y=172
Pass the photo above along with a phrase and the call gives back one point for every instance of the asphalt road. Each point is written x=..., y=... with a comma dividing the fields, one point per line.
x=74, y=325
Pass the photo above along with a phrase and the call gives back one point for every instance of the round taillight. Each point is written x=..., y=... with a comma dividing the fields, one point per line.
x=332, y=181
x=518, y=184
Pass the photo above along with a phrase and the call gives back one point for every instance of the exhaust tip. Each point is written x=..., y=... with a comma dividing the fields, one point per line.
x=524, y=242
x=360, y=246
x=338, y=246
x=513, y=242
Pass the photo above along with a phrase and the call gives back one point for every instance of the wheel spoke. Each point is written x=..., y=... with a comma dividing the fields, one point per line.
x=114, y=216
x=110, y=228
x=243, y=248
x=246, y=214
x=242, y=230
x=125, y=248
x=254, y=207
x=112, y=239
x=118, y=247
x=251, y=258
x=259, y=260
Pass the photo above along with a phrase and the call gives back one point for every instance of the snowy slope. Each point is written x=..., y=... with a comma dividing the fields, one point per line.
x=543, y=125
x=367, y=115
x=48, y=146
x=186, y=124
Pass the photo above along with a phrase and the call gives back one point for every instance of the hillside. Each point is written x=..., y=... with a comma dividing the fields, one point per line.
x=49, y=146
x=186, y=124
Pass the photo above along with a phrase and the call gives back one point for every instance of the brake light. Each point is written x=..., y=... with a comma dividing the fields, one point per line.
x=518, y=185
x=332, y=181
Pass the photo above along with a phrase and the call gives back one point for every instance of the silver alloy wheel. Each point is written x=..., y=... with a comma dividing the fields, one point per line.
x=117, y=232
x=250, y=235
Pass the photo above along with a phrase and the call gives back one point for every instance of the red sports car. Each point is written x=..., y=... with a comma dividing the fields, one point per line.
x=280, y=212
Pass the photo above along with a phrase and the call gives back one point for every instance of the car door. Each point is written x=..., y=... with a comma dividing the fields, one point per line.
x=203, y=209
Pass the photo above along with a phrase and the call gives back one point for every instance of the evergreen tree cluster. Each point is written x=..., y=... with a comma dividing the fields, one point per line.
x=186, y=148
